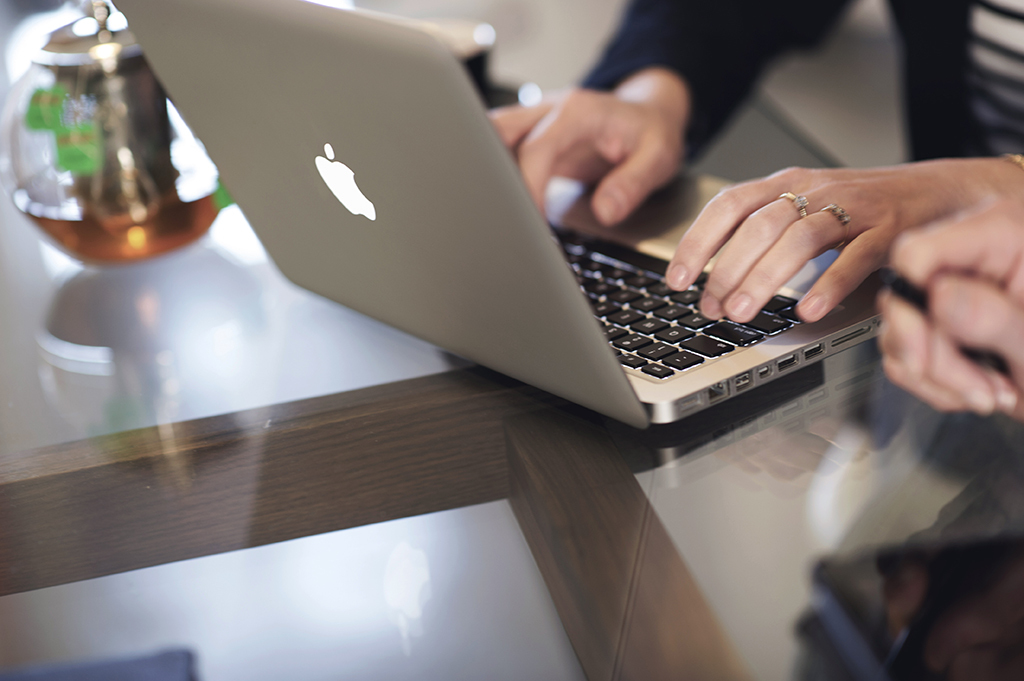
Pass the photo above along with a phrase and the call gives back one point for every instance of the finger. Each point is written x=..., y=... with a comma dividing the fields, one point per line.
x=950, y=369
x=904, y=336
x=924, y=390
x=987, y=241
x=557, y=132
x=720, y=218
x=751, y=240
x=513, y=123
x=977, y=314
x=905, y=341
x=856, y=261
x=801, y=241
x=653, y=163
x=929, y=364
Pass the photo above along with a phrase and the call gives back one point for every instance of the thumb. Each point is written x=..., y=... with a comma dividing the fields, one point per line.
x=513, y=123
x=626, y=186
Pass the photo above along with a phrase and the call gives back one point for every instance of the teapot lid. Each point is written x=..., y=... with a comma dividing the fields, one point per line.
x=99, y=36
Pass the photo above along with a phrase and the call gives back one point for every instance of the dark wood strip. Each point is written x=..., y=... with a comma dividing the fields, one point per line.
x=152, y=496
x=626, y=598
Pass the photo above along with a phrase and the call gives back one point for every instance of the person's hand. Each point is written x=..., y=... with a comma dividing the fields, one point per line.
x=768, y=242
x=972, y=267
x=629, y=141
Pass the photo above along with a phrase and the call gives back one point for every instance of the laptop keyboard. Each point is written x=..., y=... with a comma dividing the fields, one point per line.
x=658, y=331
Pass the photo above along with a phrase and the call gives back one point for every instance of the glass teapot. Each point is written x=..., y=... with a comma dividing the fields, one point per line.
x=95, y=153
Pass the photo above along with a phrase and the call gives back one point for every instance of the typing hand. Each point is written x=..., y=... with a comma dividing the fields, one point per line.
x=629, y=142
x=972, y=267
x=769, y=242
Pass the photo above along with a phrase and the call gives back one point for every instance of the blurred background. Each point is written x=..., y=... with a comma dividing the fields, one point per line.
x=845, y=95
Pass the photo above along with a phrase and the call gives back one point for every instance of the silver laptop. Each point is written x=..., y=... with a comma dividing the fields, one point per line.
x=362, y=156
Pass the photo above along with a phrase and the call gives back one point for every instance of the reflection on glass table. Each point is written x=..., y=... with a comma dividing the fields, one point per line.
x=211, y=329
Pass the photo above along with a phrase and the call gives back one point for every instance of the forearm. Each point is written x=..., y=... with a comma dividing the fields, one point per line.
x=718, y=48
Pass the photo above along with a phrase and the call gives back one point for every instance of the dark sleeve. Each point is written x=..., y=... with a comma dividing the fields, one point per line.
x=718, y=46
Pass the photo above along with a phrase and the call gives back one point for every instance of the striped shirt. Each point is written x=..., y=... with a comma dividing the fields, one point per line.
x=996, y=75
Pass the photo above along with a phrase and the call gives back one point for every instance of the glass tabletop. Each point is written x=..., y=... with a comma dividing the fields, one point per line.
x=196, y=454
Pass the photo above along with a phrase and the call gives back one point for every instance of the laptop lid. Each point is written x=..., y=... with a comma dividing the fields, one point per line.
x=443, y=242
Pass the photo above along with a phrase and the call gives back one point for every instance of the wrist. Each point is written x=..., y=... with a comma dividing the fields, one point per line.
x=663, y=90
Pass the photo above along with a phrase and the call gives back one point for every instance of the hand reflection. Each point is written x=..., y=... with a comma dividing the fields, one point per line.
x=781, y=454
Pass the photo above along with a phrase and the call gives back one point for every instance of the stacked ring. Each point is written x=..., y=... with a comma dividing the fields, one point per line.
x=800, y=202
x=844, y=219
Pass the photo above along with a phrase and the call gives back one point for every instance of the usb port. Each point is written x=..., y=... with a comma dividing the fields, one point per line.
x=764, y=372
x=787, y=362
x=814, y=351
x=743, y=381
x=717, y=392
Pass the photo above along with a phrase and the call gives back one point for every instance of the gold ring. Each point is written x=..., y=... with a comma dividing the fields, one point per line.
x=844, y=219
x=800, y=202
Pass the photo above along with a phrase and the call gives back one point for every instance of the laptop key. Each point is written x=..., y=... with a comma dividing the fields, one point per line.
x=674, y=334
x=625, y=317
x=778, y=303
x=660, y=289
x=599, y=288
x=686, y=297
x=673, y=312
x=657, y=371
x=790, y=314
x=648, y=304
x=696, y=321
x=732, y=333
x=657, y=351
x=631, y=342
x=613, y=332
x=684, y=360
x=709, y=347
x=648, y=326
x=624, y=295
x=632, y=361
x=641, y=281
x=605, y=308
x=616, y=273
x=768, y=323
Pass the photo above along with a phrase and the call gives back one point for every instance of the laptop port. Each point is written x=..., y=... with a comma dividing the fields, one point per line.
x=814, y=351
x=787, y=362
x=764, y=372
x=850, y=336
x=743, y=381
x=718, y=391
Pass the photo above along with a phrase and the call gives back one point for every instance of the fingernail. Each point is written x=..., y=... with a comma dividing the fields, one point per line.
x=609, y=206
x=740, y=306
x=981, y=402
x=710, y=307
x=812, y=308
x=677, y=276
x=1007, y=399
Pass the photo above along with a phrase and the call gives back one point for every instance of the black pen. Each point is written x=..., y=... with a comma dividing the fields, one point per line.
x=919, y=299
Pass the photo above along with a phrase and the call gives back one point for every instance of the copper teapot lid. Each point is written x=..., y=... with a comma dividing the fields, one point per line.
x=101, y=35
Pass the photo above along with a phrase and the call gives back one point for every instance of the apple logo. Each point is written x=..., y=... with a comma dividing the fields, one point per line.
x=341, y=181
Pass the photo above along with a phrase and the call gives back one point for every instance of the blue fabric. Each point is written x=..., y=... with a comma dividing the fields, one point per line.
x=721, y=47
x=172, y=665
